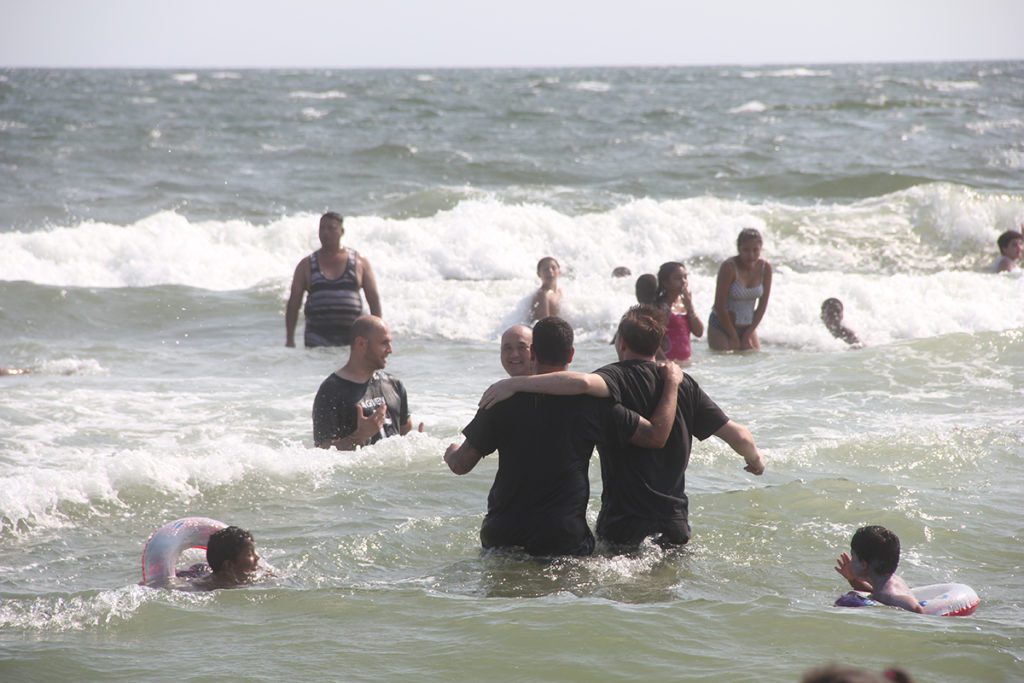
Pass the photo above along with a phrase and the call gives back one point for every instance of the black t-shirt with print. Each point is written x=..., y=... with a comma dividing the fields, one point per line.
x=335, y=405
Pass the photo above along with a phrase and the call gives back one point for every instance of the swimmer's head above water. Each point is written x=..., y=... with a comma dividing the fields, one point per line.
x=231, y=554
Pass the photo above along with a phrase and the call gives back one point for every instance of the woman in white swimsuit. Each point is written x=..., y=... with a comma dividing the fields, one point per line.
x=741, y=296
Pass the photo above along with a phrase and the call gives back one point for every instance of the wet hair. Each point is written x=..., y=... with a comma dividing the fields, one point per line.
x=225, y=545
x=546, y=259
x=1004, y=240
x=747, y=234
x=331, y=216
x=877, y=547
x=646, y=289
x=664, y=273
x=621, y=271
x=642, y=328
x=552, y=341
x=831, y=303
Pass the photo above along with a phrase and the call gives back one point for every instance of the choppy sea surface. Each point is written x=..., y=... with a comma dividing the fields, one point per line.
x=150, y=222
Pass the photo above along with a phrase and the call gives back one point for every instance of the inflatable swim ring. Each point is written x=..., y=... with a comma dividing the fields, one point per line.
x=165, y=546
x=939, y=599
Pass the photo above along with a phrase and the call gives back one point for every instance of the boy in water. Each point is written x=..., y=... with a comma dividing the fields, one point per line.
x=871, y=567
x=548, y=299
x=231, y=554
x=1011, y=245
x=832, y=316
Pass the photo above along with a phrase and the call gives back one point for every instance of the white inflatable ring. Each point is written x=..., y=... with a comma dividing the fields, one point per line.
x=164, y=547
x=939, y=599
x=947, y=599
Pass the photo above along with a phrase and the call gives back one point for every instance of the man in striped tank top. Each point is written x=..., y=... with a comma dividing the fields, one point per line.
x=333, y=275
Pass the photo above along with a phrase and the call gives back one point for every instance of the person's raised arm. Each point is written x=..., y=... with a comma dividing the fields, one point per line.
x=696, y=324
x=844, y=565
x=740, y=440
x=370, y=288
x=654, y=433
x=462, y=459
x=563, y=383
x=300, y=283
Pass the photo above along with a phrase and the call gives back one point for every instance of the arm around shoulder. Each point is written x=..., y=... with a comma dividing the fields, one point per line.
x=654, y=433
x=563, y=383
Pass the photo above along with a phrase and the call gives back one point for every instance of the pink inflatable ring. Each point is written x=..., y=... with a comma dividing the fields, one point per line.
x=164, y=547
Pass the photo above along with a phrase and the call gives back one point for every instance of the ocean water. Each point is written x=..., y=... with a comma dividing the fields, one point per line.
x=149, y=225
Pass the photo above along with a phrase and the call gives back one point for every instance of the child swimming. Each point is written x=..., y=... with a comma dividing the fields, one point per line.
x=231, y=554
x=832, y=316
x=871, y=567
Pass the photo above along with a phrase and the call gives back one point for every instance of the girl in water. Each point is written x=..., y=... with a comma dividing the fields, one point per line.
x=548, y=299
x=681, y=317
x=744, y=280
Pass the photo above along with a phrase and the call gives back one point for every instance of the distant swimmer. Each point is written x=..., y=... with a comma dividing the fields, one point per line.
x=741, y=296
x=515, y=350
x=333, y=275
x=548, y=299
x=14, y=371
x=832, y=316
x=1011, y=245
x=871, y=567
x=359, y=404
x=682, y=320
x=621, y=271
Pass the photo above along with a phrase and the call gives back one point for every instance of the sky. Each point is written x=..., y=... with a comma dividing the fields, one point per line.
x=530, y=33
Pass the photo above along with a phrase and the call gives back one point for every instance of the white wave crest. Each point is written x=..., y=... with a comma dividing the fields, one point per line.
x=591, y=86
x=799, y=72
x=751, y=107
x=326, y=95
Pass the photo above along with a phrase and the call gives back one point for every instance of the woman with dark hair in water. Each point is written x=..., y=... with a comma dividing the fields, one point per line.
x=741, y=296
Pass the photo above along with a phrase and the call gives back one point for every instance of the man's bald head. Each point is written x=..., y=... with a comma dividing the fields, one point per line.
x=515, y=350
x=371, y=343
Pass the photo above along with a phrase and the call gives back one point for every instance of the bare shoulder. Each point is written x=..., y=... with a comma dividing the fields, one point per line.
x=303, y=272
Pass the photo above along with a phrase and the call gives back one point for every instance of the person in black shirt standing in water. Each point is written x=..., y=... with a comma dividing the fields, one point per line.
x=538, y=501
x=644, y=488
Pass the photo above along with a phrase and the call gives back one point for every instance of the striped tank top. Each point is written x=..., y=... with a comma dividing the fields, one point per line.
x=332, y=305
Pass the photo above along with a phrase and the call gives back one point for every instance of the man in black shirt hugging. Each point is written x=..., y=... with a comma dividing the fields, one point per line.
x=538, y=501
x=644, y=487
